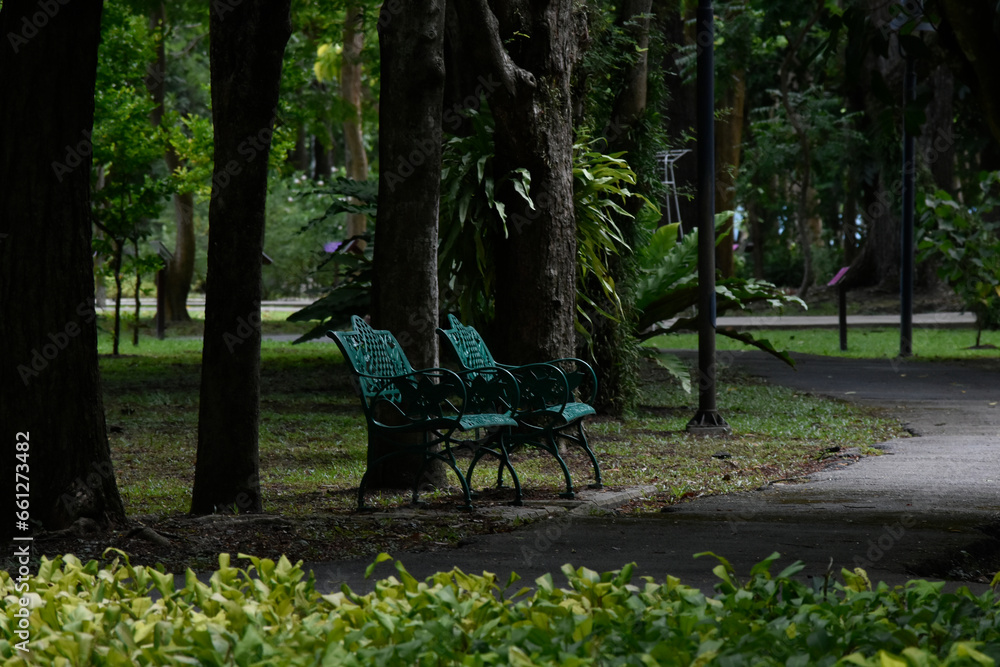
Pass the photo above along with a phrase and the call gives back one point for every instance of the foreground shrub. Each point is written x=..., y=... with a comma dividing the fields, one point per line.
x=272, y=614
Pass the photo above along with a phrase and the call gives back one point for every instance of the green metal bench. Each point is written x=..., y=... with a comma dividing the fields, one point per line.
x=548, y=408
x=432, y=412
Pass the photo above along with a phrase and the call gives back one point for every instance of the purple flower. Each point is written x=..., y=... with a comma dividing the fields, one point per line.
x=331, y=246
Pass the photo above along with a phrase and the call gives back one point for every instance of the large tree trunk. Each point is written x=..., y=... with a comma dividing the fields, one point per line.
x=247, y=45
x=975, y=28
x=405, y=283
x=51, y=409
x=350, y=90
x=179, y=269
x=530, y=48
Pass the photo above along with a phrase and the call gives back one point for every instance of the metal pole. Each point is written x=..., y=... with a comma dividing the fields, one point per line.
x=906, y=232
x=161, y=303
x=842, y=315
x=707, y=421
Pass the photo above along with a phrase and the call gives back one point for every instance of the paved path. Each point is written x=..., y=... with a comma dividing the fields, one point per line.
x=930, y=507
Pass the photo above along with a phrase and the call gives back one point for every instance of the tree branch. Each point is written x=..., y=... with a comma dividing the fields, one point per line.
x=484, y=40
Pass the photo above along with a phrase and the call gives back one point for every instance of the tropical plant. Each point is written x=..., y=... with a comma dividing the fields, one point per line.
x=471, y=217
x=349, y=262
x=668, y=288
x=600, y=190
x=965, y=243
x=469, y=213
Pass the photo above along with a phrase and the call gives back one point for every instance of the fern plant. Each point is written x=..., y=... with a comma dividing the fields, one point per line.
x=668, y=289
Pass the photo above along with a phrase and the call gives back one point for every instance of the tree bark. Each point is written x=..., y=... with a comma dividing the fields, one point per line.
x=405, y=283
x=350, y=90
x=805, y=172
x=247, y=44
x=876, y=262
x=728, y=149
x=529, y=50
x=976, y=29
x=51, y=407
x=179, y=269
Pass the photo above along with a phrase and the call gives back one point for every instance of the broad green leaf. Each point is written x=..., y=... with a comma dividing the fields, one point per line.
x=381, y=558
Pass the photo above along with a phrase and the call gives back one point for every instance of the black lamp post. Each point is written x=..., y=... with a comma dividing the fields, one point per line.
x=906, y=225
x=911, y=16
x=707, y=421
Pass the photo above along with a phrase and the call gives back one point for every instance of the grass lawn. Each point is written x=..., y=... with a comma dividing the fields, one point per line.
x=862, y=343
x=313, y=443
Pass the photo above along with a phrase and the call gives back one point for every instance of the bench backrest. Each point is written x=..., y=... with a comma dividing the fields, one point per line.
x=469, y=347
x=372, y=352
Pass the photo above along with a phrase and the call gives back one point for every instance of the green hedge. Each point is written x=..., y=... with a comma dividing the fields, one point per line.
x=272, y=614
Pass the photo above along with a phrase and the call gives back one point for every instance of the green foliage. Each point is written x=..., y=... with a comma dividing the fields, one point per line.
x=126, y=192
x=471, y=218
x=601, y=190
x=965, y=243
x=271, y=613
x=347, y=264
x=668, y=288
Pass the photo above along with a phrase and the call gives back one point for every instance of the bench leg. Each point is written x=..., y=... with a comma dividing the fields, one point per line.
x=461, y=478
x=593, y=459
x=554, y=450
x=505, y=461
x=504, y=457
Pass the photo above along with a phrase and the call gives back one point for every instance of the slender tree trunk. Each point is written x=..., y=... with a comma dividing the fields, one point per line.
x=323, y=157
x=247, y=46
x=51, y=409
x=728, y=149
x=936, y=143
x=876, y=262
x=116, y=330
x=179, y=270
x=528, y=50
x=849, y=224
x=350, y=90
x=805, y=160
x=405, y=283
x=137, y=296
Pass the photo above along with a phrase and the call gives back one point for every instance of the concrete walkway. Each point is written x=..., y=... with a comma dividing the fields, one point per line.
x=930, y=507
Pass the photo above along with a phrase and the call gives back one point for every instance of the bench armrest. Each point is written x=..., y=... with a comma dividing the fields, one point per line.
x=491, y=389
x=554, y=383
x=412, y=399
